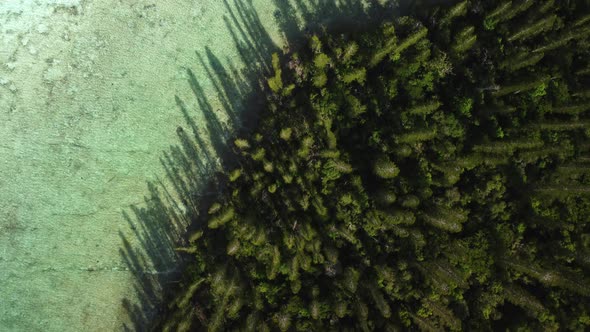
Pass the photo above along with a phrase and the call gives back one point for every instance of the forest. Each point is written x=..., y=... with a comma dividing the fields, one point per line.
x=429, y=173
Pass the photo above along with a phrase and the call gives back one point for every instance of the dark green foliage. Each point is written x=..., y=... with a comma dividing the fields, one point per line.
x=521, y=60
x=515, y=88
x=428, y=174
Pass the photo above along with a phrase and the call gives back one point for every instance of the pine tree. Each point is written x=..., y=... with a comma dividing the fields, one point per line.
x=425, y=109
x=534, y=29
x=562, y=125
x=445, y=314
x=419, y=135
x=464, y=40
x=508, y=147
x=379, y=301
x=223, y=217
x=445, y=221
x=550, y=277
x=571, y=109
x=497, y=15
x=521, y=87
x=394, y=48
x=458, y=10
x=521, y=60
x=385, y=168
x=518, y=296
x=582, y=20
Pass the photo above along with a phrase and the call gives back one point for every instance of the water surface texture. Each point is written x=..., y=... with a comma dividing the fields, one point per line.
x=111, y=114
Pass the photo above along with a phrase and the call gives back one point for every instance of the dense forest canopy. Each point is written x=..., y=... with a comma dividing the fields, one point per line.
x=432, y=173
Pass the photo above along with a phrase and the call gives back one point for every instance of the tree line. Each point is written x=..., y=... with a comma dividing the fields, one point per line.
x=430, y=173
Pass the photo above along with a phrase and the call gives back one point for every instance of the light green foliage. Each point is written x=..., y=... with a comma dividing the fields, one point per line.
x=402, y=217
x=446, y=220
x=235, y=174
x=497, y=15
x=349, y=51
x=425, y=109
x=546, y=6
x=259, y=154
x=465, y=106
x=458, y=10
x=562, y=125
x=242, y=144
x=183, y=301
x=333, y=169
x=359, y=75
x=508, y=147
x=276, y=83
x=214, y=208
x=419, y=135
x=521, y=87
x=222, y=218
x=306, y=145
x=522, y=60
x=552, y=45
x=315, y=44
x=582, y=20
x=283, y=321
x=268, y=166
x=385, y=197
x=355, y=106
x=320, y=79
x=534, y=29
x=518, y=7
x=351, y=279
x=410, y=202
x=411, y=40
x=286, y=133
x=385, y=168
x=389, y=45
x=440, y=65
x=321, y=61
x=395, y=49
x=465, y=39
x=339, y=166
x=539, y=91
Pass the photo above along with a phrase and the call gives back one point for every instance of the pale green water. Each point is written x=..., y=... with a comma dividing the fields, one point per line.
x=91, y=93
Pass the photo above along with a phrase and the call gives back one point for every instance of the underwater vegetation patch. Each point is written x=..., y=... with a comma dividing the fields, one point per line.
x=430, y=173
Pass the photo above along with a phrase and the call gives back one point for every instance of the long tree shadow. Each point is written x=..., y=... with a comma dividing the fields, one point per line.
x=191, y=166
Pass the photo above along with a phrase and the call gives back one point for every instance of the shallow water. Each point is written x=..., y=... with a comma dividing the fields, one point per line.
x=92, y=160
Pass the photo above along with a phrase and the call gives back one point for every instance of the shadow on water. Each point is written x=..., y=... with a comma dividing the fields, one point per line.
x=191, y=165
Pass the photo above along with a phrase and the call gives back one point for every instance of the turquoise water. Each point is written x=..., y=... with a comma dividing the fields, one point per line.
x=112, y=117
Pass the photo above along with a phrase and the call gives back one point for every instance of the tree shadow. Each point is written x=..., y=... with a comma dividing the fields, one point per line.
x=172, y=207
